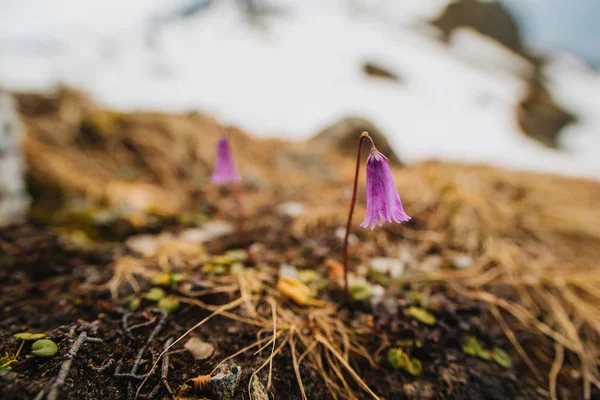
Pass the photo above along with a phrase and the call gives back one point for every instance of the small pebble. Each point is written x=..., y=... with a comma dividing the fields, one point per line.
x=200, y=349
x=291, y=208
x=463, y=261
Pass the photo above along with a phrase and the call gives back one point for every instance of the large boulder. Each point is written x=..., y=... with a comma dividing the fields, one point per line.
x=14, y=201
x=539, y=116
x=491, y=19
x=343, y=136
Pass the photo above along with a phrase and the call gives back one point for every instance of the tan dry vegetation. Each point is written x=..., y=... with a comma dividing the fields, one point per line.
x=534, y=239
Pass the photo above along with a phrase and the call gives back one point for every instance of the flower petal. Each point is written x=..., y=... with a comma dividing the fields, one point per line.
x=383, y=200
x=225, y=169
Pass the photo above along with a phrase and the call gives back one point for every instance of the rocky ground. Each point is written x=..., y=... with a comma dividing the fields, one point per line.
x=491, y=291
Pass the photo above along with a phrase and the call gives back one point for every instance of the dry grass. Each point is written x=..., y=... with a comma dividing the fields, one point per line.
x=315, y=337
x=534, y=240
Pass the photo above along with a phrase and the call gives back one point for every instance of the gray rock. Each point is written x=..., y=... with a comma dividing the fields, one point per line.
x=392, y=266
x=343, y=136
x=462, y=261
x=291, y=208
x=14, y=200
x=209, y=231
x=226, y=380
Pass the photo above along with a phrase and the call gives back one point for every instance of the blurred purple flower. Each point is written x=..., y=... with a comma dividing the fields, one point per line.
x=225, y=169
x=383, y=200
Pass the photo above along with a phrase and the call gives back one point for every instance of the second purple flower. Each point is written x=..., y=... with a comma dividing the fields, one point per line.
x=225, y=169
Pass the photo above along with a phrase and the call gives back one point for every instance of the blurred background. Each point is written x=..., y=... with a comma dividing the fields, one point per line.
x=489, y=112
x=510, y=83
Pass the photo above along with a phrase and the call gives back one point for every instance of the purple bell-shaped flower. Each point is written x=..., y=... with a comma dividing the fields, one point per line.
x=383, y=200
x=225, y=169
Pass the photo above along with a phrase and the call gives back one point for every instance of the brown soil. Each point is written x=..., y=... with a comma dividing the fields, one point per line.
x=532, y=287
x=45, y=291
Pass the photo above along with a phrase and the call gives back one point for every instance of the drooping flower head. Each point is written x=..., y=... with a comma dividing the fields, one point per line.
x=383, y=200
x=225, y=169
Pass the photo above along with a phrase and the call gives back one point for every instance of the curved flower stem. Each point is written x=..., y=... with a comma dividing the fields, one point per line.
x=363, y=136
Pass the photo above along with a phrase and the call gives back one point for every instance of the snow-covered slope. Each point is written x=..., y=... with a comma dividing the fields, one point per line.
x=294, y=72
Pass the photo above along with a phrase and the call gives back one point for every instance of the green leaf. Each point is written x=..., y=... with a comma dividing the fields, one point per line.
x=405, y=342
x=208, y=268
x=29, y=336
x=131, y=303
x=501, y=357
x=237, y=268
x=360, y=291
x=471, y=346
x=7, y=362
x=169, y=304
x=236, y=254
x=398, y=359
x=154, y=294
x=421, y=315
x=162, y=279
x=414, y=367
x=167, y=279
x=378, y=277
x=44, y=348
x=322, y=284
x=220, y=270
x=177, y=277
x=424, y=301
x=221, y=260
x=307, y=276
x=484, y=354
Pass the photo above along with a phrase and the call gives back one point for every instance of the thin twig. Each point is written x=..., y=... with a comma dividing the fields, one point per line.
x=105, y=365
x=270, y=340
x=124, y=323
x=237, y=353
x=129, y=376
x=511, y=337
x=274, y=312
x=297, y=367
x=66, y=365
x=350, y=370
x=337, y=372
x=129, y=329
x=229, y=315
x=142, y=350
x=556, y=366
x=283, y=343
x=164, y=372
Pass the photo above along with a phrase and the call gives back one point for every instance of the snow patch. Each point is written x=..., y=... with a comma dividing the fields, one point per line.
x=299, y=70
